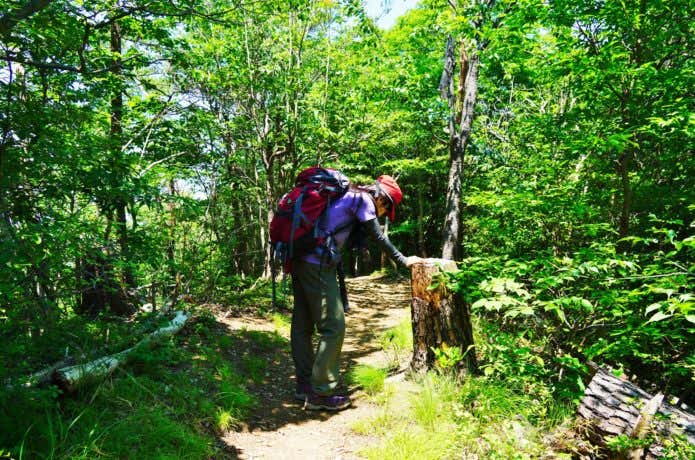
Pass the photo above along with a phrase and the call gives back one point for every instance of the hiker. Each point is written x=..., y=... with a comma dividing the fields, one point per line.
x=317, y=299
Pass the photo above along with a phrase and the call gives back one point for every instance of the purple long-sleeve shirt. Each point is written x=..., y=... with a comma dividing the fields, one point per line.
x=352, y=207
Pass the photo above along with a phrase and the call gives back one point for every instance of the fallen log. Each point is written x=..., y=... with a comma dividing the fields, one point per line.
x=440, y=318
x=616, y=407
x=72, y=377
x=40, y=378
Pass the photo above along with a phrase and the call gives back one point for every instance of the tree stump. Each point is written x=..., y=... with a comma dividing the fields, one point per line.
x=439, y=317
x=617, y=407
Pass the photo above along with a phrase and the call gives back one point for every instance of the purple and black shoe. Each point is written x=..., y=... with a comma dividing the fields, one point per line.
x=319, y=402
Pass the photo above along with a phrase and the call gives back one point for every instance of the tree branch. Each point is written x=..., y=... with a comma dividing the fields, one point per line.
x=9, y=20
x=39, y=65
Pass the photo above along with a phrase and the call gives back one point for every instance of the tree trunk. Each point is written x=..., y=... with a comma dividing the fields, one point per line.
x=453, y=207
x=172, y=227
x=116, y=134
x=624, y=171
x=438, y=317
x=461, y=106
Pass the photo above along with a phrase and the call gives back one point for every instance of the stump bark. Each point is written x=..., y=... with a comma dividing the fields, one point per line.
x=618, y=407
x=439, y=316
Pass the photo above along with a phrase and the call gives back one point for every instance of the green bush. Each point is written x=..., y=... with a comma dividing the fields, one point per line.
x=546, y=315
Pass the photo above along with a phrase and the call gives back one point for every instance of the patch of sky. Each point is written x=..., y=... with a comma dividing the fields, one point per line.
x=385, y=12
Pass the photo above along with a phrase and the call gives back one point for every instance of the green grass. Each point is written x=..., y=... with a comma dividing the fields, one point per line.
x=226, y=420
x=378, y=425
x=397, y=343
x=434, y=401
x=281, y=323
x=370, y=378
x=473, y=418
x=413, y=443
x=265, y=340
x=255, y=367
x=170, y=401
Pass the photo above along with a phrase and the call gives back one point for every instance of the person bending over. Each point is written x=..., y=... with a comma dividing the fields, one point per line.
x=317, y=300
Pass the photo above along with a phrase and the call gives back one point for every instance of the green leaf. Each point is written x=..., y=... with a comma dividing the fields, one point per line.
x=658, y=316
x=652, y=307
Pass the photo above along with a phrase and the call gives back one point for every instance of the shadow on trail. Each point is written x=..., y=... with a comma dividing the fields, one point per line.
x=373, y=303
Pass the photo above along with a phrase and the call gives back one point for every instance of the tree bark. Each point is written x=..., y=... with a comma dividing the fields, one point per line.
x=617, y=407
x=438, y=317
x=172, y=227
x=461, y=108
x=116, y=134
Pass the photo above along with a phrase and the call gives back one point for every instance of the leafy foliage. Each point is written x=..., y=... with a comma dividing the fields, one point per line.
x=144, y=145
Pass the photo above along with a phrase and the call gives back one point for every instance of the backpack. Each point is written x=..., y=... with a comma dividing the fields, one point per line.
x=295, y=227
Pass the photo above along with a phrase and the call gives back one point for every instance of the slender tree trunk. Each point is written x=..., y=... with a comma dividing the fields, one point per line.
x=116, y=134
x=453, y=206
x=460, y=122
x=265, y=214
x=172, y=228
x=422, y=248
x=624, y=172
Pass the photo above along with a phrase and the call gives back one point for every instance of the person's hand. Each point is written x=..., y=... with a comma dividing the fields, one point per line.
x=409, y=261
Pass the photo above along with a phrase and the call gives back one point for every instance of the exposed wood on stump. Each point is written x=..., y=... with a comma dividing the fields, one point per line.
x=70, y=378
x=438, y=316
x=618, y=407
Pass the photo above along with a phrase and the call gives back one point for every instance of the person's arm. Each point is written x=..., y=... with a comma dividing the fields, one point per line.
x=374, y=230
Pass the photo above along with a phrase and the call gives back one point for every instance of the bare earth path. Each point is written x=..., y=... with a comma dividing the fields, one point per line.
x=279, y=428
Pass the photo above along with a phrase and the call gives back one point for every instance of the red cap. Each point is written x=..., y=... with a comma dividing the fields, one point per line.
x=388, y=184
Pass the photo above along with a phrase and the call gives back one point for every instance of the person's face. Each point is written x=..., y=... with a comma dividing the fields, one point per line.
x=383, y=206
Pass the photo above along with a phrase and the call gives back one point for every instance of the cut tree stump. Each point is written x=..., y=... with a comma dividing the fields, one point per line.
x=618, y=407
x=439, y=317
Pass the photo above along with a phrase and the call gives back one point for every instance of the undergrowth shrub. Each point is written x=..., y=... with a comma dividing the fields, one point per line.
x=546, y=315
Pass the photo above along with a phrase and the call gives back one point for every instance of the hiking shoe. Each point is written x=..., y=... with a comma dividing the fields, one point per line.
x=303, y=390
x=318, y=402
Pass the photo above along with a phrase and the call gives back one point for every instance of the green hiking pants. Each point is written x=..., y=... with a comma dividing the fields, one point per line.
x=317, y=305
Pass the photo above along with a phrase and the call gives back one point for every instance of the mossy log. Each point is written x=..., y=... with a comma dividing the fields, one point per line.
x=615, y=407
x=439, y=316
x=72, y=377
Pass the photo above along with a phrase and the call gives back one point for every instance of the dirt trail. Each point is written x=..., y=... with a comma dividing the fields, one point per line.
x=279, y=428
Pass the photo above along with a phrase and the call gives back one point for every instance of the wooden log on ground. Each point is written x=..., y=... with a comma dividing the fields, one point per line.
x=618, y=407
x=72, y=377
x=42, y=377
x=439, y=317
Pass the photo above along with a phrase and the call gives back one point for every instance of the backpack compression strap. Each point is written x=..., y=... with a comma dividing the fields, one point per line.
x=296, y=216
